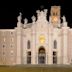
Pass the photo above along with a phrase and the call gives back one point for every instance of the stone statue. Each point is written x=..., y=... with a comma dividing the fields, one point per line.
x=33, y=18
x=64, y=19
x=25, y=21
x=38, y=12
x=19, y=17
x=45, y=11
x=41, y=15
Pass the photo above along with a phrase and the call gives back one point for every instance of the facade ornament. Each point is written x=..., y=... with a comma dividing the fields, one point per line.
x=33, y=18
x=64, y=19
x=41, y=15
x=19, y=17
x=38, y=12
x=25, y=21
x=45, y=11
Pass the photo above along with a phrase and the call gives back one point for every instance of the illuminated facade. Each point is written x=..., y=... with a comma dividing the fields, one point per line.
x=39, y=42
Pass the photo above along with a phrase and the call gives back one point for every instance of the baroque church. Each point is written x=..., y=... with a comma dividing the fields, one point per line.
x=40, y=42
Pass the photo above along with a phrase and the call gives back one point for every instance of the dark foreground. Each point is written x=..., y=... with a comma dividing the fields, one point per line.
x=36, y=68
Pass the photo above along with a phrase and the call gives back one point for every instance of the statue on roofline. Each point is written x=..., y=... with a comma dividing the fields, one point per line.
x=33, y=18
x=45, y=11
x=19, y=17
x=38, y=12
x=64, y=19
x=25, y=21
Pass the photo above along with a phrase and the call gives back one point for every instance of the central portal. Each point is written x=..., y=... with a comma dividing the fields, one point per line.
x=41, y=55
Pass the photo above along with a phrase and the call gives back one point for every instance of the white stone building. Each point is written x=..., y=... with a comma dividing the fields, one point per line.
x=39, y=42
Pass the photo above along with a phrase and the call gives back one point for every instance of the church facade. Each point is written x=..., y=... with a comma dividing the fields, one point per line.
x=39, y=42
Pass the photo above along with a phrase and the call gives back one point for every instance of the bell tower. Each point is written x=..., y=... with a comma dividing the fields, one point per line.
x=55, y=15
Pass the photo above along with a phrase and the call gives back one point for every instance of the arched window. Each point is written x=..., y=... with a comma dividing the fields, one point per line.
x=53, y=13
x=28, y=44
x=29, y=57
x=55, y=44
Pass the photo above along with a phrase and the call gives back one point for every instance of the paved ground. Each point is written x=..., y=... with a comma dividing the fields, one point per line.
x=36, y=68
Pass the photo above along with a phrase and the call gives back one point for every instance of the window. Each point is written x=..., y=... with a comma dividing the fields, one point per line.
x=54, y=13
x=3, y=46
x=54, y=57
x=54, y=53
x=3, y=53
x=11, y=33
x=29, y=54
x=11, y=45
x=29, y=57
x=55, y=44
x=12, y=39
x=28, y=44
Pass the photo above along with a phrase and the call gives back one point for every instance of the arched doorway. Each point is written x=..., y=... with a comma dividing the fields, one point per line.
x=41, y=55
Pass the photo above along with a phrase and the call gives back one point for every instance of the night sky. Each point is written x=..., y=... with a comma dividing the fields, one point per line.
x=10, y=10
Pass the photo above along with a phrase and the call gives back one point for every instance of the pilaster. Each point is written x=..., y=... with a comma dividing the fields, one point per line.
x=59, y=48
x=50, y=60
x=65, y=45
x=33, y=56
x=19, y=46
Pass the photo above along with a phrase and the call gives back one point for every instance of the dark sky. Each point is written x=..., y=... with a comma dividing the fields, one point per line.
x=10, y=10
